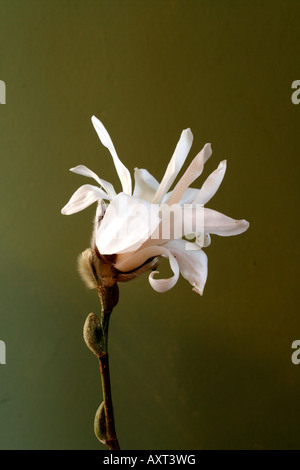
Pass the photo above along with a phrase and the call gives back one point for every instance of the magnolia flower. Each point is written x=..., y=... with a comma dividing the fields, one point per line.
x=133, y=228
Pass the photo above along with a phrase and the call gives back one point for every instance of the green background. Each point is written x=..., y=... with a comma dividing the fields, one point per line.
x=188, y=372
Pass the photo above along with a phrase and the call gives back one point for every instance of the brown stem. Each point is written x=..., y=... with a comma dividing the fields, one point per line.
x=109, y=296
x=112, y=440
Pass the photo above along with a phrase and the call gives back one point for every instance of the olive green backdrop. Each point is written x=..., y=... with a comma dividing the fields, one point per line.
x=188, y=372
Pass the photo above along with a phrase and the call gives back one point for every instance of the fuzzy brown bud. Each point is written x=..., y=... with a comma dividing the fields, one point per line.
x=100, y=424
x=86, y=269
x=92, y=334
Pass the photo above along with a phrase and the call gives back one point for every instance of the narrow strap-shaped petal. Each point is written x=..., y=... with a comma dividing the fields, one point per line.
x=178, y=221
x=211, y=185
x=83, y=170
x=192, y=262
x=145, y=184
x=220, y=224
x=122, y=171
x=178, y=158
x=187, y=198
x=200, y=219
x=127, y=223
x=193, y=171
x=82, y=198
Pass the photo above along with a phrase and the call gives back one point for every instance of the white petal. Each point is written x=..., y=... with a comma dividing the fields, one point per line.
x=194, y=170
x=187, y=198
x=130, y=261
x=82, y=198
x=163, y=285
x=101, y=209
x=100, y=212
x=220, y=224
x=211, y=185
x=145, y=184
x=203, y=240
x=122, y=171
x=127, y=223
x=178, y=158
x=192, y=262
x=83, y=170
x=179, y=221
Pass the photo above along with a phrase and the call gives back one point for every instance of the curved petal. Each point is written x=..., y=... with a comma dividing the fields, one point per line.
x=203, y=240
x=127, y=223
x=122, y=171
x=193, y=171
x=83, y=170
x=82, y=198
x=178, y=158
x=192, y=262
x=211, y=185
x=145, y=184
x=133, y=260
x=163, y=285
x=130, y=261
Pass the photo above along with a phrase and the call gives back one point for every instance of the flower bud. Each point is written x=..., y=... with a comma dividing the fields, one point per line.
x=92, y=334
x=100, y=424
x=86, y=270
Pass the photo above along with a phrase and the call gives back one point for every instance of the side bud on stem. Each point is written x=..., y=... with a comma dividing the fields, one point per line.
x=93, y=334
x=100, y=424
x=98, y=272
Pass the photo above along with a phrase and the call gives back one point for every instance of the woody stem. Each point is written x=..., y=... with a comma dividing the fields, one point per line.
x=108, y=298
